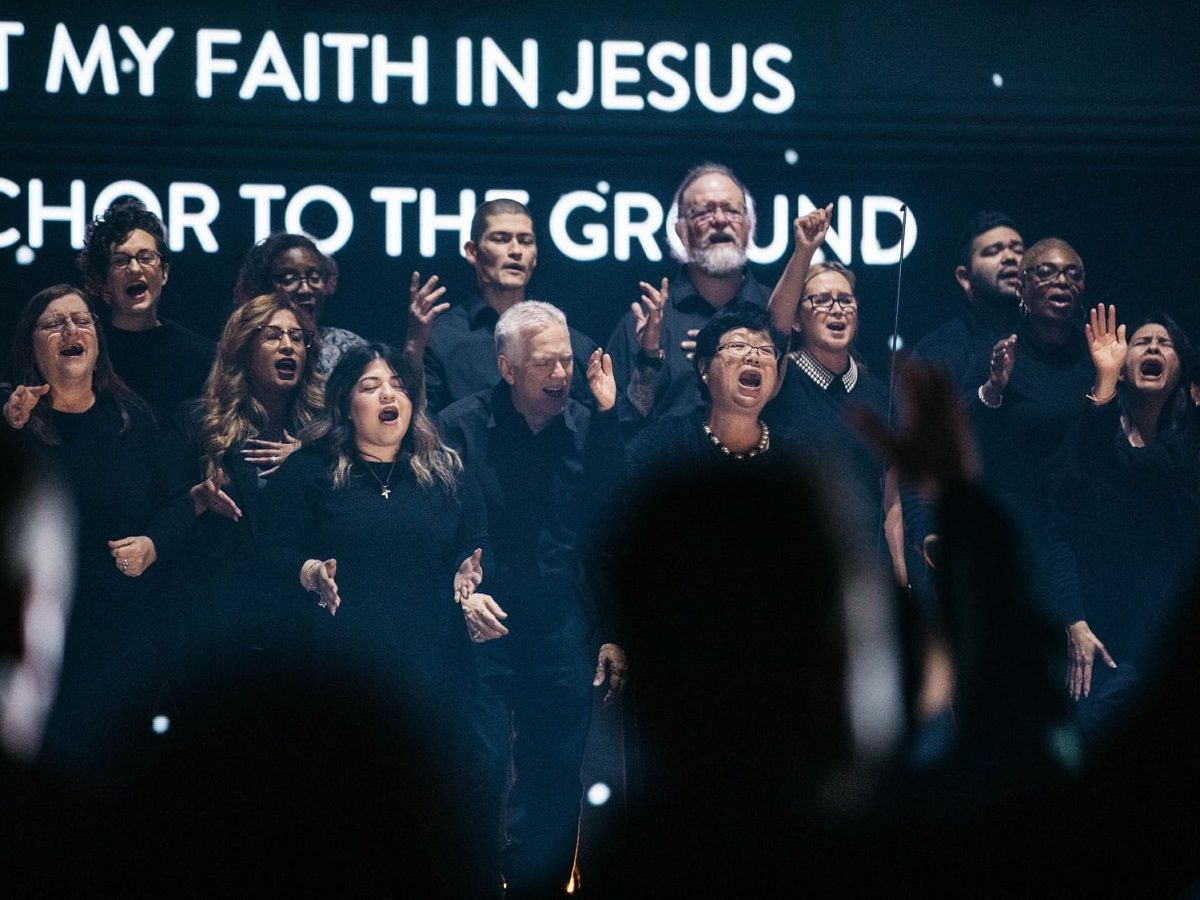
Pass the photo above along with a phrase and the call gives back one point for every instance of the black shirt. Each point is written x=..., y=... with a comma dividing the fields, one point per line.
x=954, y=344
x=819, y=417
x=164, y=365
x=1131, y=516
x=461, y=357
x=396, y=559
x=547, y=497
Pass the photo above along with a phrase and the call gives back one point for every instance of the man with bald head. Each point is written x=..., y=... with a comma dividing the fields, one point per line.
x=1026, y=394
x=714, y=220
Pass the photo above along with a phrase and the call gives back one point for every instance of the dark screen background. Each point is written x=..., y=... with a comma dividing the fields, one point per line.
x=1094, y=136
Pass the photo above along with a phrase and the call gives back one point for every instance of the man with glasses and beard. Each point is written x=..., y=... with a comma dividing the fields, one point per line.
x=125, y=261
x=653, y=344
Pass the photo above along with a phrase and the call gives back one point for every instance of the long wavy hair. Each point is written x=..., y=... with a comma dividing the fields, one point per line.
x=432, y=462
x=22, y=367
x=231, y=412
x=1174, y=416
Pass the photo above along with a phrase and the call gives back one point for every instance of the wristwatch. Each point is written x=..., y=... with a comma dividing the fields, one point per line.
x=651, y=359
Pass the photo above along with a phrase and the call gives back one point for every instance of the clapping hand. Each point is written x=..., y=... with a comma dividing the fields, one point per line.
x=601, y=381
x=647, y=322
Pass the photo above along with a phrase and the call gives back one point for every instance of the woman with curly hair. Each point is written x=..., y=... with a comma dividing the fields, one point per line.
x=376, y=516
x=262, y=390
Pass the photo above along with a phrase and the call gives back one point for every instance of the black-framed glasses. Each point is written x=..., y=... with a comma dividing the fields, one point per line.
x=742, y=350
x=145, y=258
x=825, y=299
x=1044, y=272
x=273, y=334
x=314, y=278
x=709, y=215
x=84, y=321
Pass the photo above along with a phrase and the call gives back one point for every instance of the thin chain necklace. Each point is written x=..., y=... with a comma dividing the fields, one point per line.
x=384, y=490
x=764, y=443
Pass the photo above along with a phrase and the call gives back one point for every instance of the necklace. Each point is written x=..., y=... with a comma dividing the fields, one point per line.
x=384, y=490
x=764, y=443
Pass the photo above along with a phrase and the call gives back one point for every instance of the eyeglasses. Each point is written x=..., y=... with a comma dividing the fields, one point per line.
x=84, y=321
x=273, y=334
x=147, y=259
x=1044, y=272
x=742, y=350
x=314, y=278
x=824, y=301
x=709, y=215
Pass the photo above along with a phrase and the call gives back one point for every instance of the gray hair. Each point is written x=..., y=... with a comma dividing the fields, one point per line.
x=711, y=168
x=523, y=320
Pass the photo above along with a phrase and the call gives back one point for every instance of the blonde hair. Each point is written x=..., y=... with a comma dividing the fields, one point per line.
x=231, y=412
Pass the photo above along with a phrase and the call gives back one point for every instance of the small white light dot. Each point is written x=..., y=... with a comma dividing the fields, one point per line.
x=599, y=793
x=161, y=724
x=997, y=79
x=127, y=65
x=790, y=156
x=896, y=342
x=603, y=187
x=24, y=255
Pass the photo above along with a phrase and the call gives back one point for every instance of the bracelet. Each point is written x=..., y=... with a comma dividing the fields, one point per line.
x=652, y=359
x=306, y=579
x=983, y=399
x=1091, y=395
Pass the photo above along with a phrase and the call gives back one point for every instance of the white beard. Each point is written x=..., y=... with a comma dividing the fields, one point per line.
x=720, y=260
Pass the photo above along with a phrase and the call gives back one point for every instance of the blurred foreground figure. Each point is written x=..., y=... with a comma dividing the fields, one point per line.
x=37, y=544
x=771, y=693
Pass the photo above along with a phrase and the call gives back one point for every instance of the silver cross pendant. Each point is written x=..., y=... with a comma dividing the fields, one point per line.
x=386, y=492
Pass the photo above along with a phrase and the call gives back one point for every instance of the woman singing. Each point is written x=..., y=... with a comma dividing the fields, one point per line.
x=375, y=516
x=262, y=390
x=133, y=513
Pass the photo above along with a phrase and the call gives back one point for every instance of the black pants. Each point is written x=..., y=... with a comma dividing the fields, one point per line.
x=534, y=701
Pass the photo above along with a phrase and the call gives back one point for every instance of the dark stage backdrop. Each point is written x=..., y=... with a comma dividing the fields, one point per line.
x=378, y=127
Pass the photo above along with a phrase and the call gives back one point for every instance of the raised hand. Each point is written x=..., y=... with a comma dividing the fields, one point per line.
x=932, y=447
x=21, y=402
x=1107, y=345
x=809, y=230
x=423, y=309
x=208, y=496
x=601, y=381
x=133, y=555
x=269, y=455
x=483, y=615
x=1000, y=369
x=469, y=575
x=647, y=323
